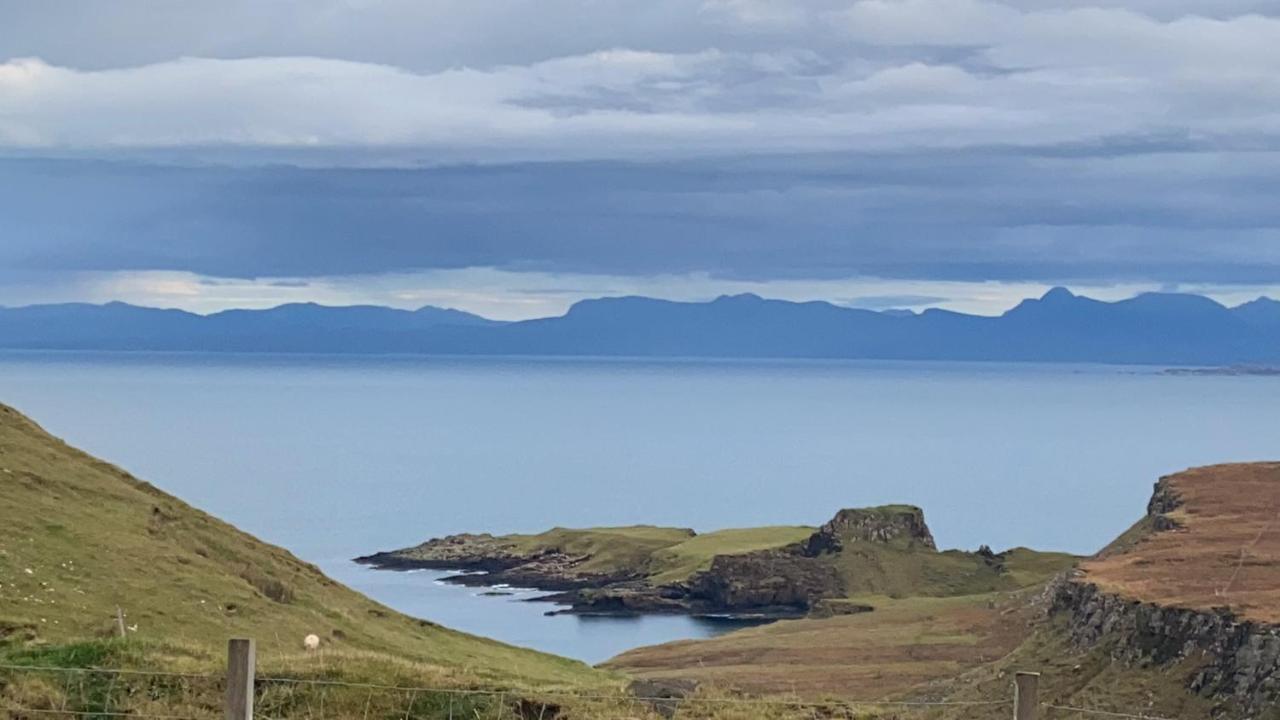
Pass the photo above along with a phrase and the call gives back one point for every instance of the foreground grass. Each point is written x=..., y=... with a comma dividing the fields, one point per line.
x=61, y=682
x=169, y=679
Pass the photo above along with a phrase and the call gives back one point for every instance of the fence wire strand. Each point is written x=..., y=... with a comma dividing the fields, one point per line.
x=1104, y=713
x=102, y=713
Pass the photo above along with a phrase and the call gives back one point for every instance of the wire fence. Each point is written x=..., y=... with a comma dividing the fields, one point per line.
x=39, y=692
x=31, y=692
x=1069, y=711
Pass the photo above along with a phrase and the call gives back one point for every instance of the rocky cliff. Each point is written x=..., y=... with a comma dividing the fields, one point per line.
x=775, y=580
x=1195, y=590
x=798, y=576
x=1237, y=661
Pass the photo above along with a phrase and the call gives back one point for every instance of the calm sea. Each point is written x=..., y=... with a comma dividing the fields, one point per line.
x=334, y=457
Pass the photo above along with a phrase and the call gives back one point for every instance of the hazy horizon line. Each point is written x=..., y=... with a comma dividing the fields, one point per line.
x=722, y=296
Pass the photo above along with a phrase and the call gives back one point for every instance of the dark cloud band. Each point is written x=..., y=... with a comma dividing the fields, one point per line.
x=958, y=216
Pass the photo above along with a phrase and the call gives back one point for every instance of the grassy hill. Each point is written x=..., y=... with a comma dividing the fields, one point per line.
x=661, y=554
x=80, y=538
x=679, y=562
x=905, y=573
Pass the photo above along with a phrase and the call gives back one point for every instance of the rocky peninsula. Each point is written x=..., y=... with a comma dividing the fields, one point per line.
x=758, y=573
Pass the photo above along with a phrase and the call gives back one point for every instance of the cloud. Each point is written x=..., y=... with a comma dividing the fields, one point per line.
x=853, y=76
x=952, y=140
x=961, y=215
x=434, y=36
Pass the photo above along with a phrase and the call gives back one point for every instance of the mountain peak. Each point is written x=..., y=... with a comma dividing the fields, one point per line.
x=1260, y=301
x=1056, y=301
x=1264, y=312
x=1058, y=294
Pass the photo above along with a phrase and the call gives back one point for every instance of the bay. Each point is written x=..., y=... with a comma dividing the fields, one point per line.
x=334, y=456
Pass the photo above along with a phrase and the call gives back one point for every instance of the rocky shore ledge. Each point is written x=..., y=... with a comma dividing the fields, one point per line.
x=628, y=571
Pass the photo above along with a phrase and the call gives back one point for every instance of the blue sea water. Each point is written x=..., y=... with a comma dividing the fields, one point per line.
x=334, y=457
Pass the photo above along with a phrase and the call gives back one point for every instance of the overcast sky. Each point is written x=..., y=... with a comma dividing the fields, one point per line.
x=510, y=157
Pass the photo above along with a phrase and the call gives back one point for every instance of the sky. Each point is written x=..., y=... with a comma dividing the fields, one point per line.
x=510, y=157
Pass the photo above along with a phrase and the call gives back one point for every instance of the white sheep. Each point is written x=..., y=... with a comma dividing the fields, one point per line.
x=311, y=642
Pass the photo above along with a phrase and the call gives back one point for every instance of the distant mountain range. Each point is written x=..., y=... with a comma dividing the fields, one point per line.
x=1154, y=328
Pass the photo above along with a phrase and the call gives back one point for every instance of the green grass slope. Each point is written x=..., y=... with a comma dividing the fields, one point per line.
x=897, y=572
x=80, y=537
x=678, y=562
x=609, y=550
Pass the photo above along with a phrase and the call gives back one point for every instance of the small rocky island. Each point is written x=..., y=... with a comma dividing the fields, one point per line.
x=756, y=573
x=1229, y=370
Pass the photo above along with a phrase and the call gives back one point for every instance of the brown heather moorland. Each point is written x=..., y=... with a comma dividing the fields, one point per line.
x=1223, y=550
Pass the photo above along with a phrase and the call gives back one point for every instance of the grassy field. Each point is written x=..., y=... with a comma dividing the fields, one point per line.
x=932, y=616
x=611, y=550
x=678, y=562
x=875, y=655
x=902, y=573
x=80, y=538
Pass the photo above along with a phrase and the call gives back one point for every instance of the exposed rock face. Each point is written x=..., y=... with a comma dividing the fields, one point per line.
x=766, y=579
x=630, y=598
x=1241, y=659
x=1164, y=500
x=1238, y=660
x=896, y=524
x=797, y=577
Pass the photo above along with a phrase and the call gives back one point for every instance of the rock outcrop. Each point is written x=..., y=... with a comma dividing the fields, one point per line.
x=768, y=579
x=798, y=576
x=1238, y=660
x=892, y=524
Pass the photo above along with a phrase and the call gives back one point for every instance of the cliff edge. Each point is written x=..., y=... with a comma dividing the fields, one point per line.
x=1194, y=589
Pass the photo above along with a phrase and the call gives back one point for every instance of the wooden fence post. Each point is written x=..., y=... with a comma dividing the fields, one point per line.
x=120, y=621
x=241, y=662
x=1026, y=695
